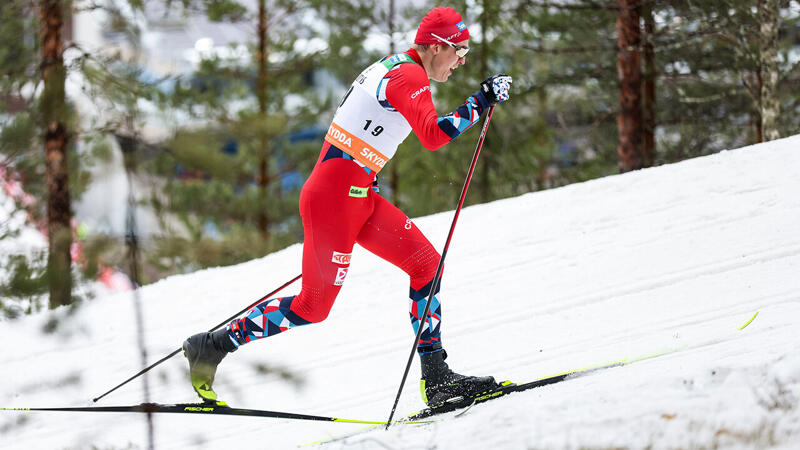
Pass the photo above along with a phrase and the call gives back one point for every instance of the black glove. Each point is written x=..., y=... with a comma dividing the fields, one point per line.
x=495, y=88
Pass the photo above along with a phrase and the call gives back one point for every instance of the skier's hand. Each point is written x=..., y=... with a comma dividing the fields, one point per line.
x=495, y=88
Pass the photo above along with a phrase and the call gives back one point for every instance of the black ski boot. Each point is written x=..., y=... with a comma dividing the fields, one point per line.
x=204, y=352
x=439, y=383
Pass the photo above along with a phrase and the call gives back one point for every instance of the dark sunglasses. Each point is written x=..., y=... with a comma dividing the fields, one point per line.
x=461, y=51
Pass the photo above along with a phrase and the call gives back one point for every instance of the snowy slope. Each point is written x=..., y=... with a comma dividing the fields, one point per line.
x=678, y=255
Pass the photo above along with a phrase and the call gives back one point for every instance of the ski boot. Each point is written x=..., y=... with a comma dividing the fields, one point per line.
x=439, y=383
x=204, y=352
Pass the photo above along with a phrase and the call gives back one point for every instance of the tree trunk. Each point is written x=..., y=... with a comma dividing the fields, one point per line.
x=261, y=86
x=756, y=111
x=629, y=74
x=54, y=114
x=770, y=105
x=543, y=180
x=649, y=91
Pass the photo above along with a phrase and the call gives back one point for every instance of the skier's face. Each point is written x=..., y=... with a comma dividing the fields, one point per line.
x=445, y=61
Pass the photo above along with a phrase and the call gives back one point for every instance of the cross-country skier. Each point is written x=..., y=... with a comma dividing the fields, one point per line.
x=340, y=206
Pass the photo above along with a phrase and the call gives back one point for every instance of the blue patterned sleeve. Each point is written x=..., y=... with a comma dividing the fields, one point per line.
x=464, y=116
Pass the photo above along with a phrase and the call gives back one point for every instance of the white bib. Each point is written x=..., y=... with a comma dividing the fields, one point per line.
x=365, y=126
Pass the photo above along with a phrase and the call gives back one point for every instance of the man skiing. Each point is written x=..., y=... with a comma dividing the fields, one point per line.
x=340, y=206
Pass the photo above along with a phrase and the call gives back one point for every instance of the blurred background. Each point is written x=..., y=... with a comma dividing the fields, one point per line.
x=145, y=138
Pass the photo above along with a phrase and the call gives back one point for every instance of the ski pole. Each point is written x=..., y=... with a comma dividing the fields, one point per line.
x=224, y=322
x=437, y=277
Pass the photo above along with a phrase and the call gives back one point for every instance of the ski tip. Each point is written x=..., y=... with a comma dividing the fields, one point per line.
x=749, y=321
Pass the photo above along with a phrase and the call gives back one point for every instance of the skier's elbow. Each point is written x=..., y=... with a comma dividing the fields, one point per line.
x=432, y=145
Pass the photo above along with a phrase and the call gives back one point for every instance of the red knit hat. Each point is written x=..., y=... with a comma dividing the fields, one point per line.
x=444, y=22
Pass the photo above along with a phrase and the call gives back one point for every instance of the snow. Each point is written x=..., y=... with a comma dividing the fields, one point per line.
x=677, y=256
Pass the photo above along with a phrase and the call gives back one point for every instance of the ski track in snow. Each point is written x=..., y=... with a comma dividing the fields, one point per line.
x=670, y=257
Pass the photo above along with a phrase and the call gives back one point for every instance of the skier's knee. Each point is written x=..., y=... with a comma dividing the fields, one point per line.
x=316, y=315
x=422, y=266
x=312, y=311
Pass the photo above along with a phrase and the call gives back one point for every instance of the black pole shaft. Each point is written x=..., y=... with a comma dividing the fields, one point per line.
x=437, y=277
x=224, y=322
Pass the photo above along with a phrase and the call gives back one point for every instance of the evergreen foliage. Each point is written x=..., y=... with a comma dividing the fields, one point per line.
x=26, y=106
x=211, y=168
x=559, y=127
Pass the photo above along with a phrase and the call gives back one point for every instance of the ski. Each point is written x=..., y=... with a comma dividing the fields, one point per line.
x=341, y=437
x=505, y=388
x=220, y=408
x=508, y=387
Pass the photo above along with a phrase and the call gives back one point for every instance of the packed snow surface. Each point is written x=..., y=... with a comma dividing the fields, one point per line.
x=677, y=256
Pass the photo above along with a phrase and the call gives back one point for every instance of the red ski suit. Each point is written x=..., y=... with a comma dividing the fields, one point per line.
x=333, y=220
x=339, y=208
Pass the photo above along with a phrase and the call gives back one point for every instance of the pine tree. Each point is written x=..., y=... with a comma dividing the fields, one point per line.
x=233, y=176
x=35, y=134
x=44, y=143
x=701, y=74
x=711, y=69
x=566, y=55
